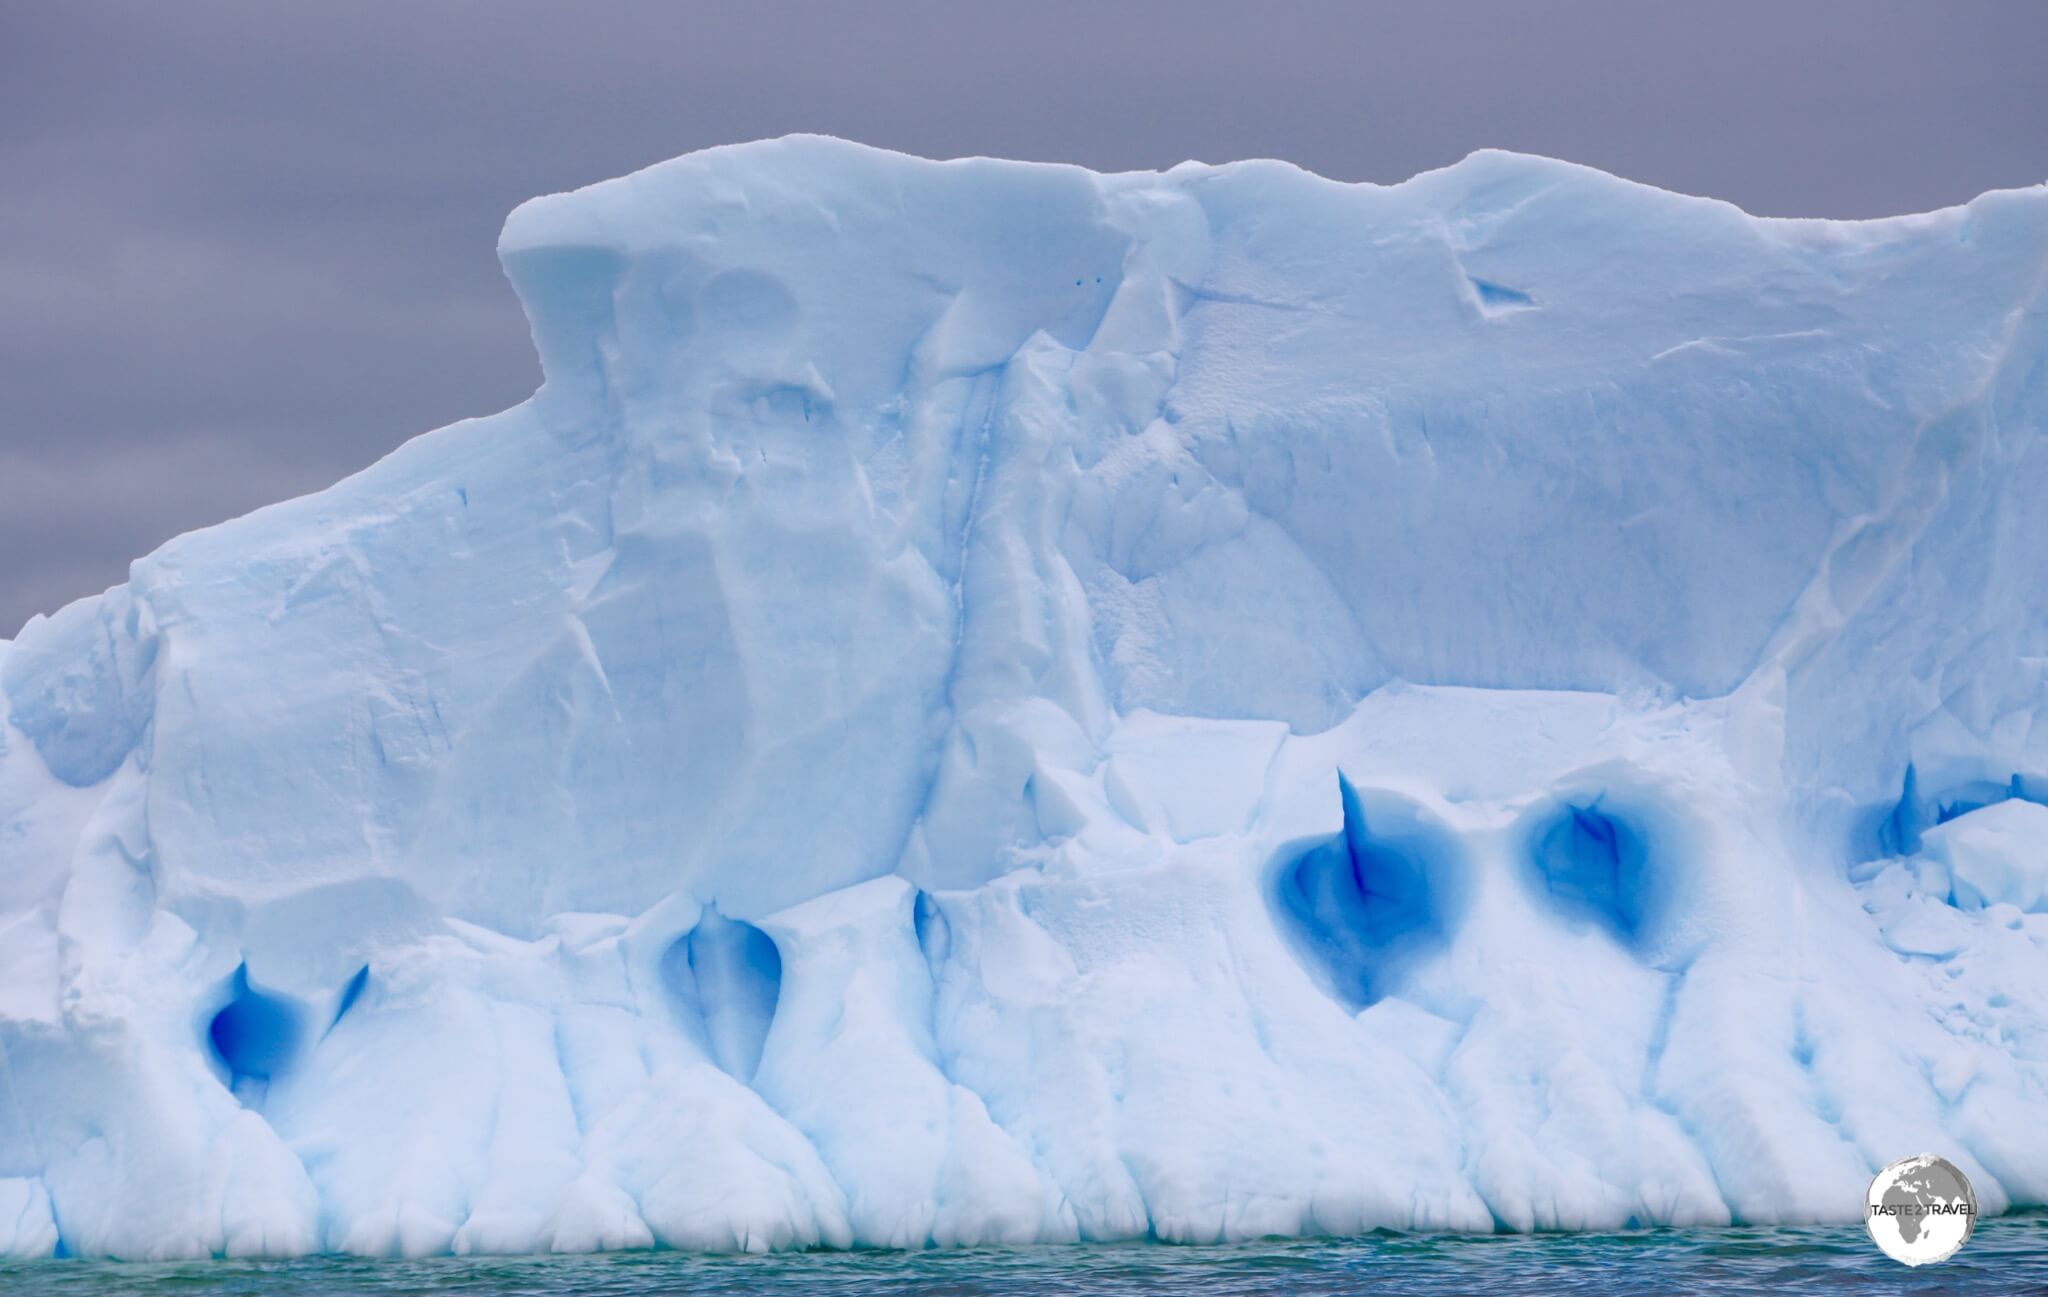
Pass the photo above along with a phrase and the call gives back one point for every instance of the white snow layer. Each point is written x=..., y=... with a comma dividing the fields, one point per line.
x=986, y=702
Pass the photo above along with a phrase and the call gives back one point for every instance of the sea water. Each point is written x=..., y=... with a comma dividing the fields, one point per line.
x=2007, y=1256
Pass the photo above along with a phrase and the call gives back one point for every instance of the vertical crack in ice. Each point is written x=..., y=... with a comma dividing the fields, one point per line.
x=1364, y=906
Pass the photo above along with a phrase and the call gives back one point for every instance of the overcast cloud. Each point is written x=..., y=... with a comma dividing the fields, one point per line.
x=246, y=248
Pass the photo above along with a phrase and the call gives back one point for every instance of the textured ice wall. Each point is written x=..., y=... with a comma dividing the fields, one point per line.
x=984, y=701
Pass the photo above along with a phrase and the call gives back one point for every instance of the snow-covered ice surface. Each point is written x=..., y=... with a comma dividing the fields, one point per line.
x=986, y=702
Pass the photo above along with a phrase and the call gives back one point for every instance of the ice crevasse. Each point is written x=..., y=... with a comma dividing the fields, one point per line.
x=985, y=702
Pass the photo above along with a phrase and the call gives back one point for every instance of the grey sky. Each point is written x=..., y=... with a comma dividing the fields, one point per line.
x=246, y=248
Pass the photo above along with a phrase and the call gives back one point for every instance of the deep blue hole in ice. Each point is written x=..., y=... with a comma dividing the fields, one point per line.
x=1594, y=865
x=726, y=976
x=934, y=937
x=1363, y=906
x=255, y=1035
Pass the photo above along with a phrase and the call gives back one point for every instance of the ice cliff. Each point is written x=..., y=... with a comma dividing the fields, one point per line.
x=987, y=702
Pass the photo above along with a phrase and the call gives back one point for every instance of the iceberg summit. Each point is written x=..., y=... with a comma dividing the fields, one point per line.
x=984, y=702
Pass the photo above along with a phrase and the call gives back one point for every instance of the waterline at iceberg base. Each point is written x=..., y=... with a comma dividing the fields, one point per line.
x=983, y=702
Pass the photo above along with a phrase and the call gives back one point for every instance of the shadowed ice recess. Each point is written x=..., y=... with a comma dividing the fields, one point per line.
x=986, y=703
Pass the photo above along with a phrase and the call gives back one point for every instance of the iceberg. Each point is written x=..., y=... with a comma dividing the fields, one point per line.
x=990, y=703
